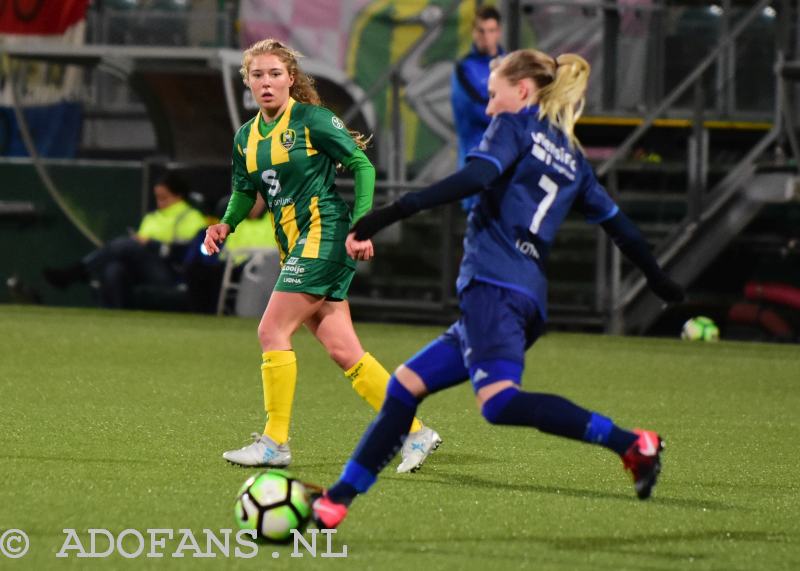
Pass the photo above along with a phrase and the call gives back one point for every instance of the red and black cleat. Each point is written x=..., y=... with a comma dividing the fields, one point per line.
x=643, y=461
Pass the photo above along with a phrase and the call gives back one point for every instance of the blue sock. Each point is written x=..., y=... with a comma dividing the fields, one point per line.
x=556, y=415
x=380, y=443
x=549, y=413
x=601, y=430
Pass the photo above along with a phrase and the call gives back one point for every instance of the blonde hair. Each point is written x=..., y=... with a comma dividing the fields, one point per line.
x=303, y=89
x=561, y=81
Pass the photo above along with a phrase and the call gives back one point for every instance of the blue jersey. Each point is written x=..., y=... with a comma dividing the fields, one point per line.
x=469, y=95
x=510, y=231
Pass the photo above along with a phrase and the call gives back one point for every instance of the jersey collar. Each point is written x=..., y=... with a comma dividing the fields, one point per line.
x=278, y=153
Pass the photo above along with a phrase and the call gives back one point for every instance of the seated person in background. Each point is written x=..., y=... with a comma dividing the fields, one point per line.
x=144, y=258
x=204, y=273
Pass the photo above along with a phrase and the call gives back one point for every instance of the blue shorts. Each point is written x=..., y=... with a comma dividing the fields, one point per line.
x=488, y=342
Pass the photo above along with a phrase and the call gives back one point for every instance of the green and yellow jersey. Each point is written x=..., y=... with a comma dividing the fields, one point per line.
x=292, y=162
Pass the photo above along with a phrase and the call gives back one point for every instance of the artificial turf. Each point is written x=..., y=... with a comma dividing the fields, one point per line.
x=116, y=420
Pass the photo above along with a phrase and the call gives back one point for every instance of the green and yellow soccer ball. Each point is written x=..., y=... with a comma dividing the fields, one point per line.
x=273, y=504
x=700, y=329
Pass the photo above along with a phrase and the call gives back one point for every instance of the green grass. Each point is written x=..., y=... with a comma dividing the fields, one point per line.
x=117, y=420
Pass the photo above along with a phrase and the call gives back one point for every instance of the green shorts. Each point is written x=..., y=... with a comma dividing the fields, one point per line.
x=315, y=276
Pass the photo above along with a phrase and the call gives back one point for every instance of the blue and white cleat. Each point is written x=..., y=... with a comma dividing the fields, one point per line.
x=262, y=452
x=417, y=447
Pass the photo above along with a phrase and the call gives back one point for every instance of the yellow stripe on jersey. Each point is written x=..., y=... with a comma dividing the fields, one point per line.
x=277, y=239
x=278, y=154
x=310, y=150
x=311, y=249
x=289, y=225
x=253, y=138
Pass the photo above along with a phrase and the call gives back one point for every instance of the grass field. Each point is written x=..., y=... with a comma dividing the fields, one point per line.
x=117, y=420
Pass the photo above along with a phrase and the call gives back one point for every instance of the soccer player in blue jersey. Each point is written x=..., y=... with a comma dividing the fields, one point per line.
x=469, y=89
x=529, y=172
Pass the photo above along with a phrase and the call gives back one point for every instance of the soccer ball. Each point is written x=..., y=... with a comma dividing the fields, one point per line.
x=273, y=503
x=700, y=329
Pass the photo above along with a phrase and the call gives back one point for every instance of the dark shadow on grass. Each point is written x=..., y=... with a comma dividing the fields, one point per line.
x=299, y=466
x=67, y=459
x=450, y=459
x=627, y=545
x=460, y=458
x=471, y=481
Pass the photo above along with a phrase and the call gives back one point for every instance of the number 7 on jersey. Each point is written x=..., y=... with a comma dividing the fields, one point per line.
x=550, y=188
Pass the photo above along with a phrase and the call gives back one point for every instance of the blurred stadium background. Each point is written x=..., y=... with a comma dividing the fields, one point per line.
x=691, y=123
x=116, y=420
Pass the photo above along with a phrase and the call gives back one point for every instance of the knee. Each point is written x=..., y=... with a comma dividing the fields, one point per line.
x=411, y=382
x=272, y=338
x=345, y=357
x=124, y=246
x=398, y=391
x=495, y=409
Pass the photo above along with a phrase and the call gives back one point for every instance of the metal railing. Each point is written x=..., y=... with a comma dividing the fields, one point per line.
x=149, y=27
x=703, y=202
x=642, y=48
x=164, y=28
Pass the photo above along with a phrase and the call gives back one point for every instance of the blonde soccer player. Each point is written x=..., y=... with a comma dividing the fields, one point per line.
x=528, y=173
x=288, y=153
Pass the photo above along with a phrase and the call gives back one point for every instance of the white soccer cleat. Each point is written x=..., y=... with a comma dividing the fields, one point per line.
x=417, y=447
x=262, y=452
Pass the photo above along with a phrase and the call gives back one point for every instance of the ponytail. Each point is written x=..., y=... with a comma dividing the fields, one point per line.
x=562, y=84
x=563, y=100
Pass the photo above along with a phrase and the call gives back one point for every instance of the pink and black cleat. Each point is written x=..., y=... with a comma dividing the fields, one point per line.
x=643, y=461
x=328, y=514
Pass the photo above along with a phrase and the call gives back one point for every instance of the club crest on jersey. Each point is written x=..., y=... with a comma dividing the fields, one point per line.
x=287, y=138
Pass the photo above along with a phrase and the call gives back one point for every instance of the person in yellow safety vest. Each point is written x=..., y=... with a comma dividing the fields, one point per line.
x=255, y=231
x=204, y=272
x=144, y=258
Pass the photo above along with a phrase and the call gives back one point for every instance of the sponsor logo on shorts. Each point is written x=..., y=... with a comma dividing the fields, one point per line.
x=293, y=269
x=290, y=280
x=528, y=249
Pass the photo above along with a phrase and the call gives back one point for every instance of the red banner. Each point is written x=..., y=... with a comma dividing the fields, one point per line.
x=40, y=17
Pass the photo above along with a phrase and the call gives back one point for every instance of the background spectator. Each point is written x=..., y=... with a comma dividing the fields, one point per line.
x=147, y=257
x=469, y=91
x=203, y=273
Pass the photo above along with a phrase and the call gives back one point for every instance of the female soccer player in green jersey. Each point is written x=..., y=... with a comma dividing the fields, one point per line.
x=288, y=152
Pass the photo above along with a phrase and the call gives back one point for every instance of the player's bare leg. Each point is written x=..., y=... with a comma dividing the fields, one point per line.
x=333, y=327
x=284, y=315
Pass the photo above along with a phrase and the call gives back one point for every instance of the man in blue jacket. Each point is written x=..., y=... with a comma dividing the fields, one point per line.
x=469, y=91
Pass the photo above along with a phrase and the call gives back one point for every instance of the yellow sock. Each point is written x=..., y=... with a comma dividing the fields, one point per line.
x=279, y=376
x=370, y=380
